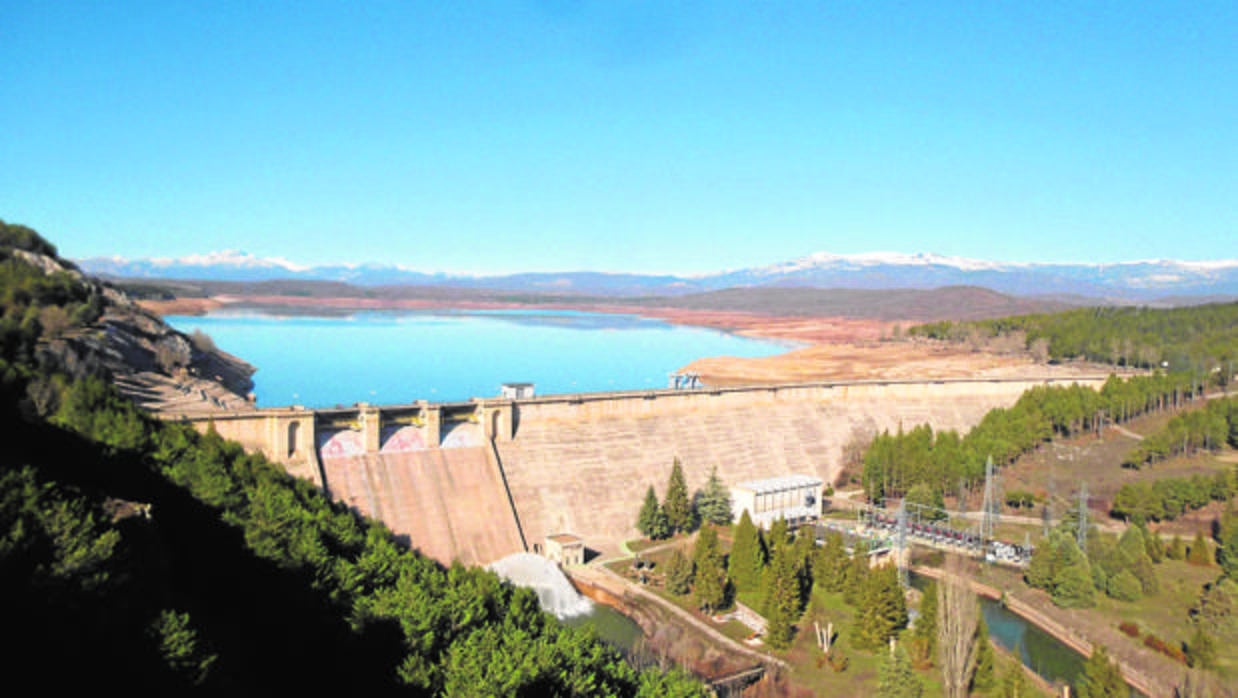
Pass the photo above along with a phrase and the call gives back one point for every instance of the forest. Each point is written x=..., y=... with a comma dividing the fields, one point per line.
x=945, y=461
x=141, y=554
x=1201, y=340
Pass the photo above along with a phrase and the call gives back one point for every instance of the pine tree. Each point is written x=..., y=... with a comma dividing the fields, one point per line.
x=1201, y=650
x=1073, y=587
x=924, y=634
x=779, y=534
x=714, y=501
x=710, y=579
x=781, y=598
x=802, y=554
x=984, y=676
x=676, y=505
x=882, y=609
x=747, y=558
x=1102, y=678
x=1227, y=551
x=1199, y=553
x=857, y=574
x=1014, y=683
x=1042, y=568
x=648, y=513
x=661, y=528
x=896, y=678
x=829, y=568
x=1154, y=545
x=1176, y=549
x=679, y=573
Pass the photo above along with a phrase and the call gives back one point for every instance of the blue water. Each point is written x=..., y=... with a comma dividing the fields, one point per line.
x=392, y=357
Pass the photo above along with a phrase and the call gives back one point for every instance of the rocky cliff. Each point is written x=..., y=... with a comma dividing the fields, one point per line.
x=152, y=363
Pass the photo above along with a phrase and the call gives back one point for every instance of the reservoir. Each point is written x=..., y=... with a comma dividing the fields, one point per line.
x=397, y=357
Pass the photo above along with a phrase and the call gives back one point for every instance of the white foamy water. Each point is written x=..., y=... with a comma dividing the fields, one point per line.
x=554, y=591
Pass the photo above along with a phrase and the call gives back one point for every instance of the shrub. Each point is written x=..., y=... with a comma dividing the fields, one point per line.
x=1128, y=628
x=838, y=661
x=1153, y=642
x=1123, y=586
x=1201, y=650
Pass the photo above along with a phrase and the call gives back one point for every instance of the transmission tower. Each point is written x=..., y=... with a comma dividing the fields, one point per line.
x=900, y=544
x=992, y=503
x=1081, y=533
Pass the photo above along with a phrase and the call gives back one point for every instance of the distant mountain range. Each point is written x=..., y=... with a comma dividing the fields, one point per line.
x=1151, y=281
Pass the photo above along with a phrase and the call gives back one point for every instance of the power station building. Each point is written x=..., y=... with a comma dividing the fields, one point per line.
x=796, y=498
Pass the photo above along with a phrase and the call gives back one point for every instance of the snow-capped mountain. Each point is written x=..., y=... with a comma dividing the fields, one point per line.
x=1136, y=281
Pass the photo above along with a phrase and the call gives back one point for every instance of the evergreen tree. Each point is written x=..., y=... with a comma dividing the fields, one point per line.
x=924, y=634
x=782, y=599
x=1102, y=678
x=676, y=505
x=882, y=610
x=1043, y=566
x=1155, y=545
x=1227, y=551
x=714, y=501
x=829, y=566
x=927, y=497
x=747, y=558
x=1014, y=683
x=710, y=579
x=1217, y=607
x=857, y=574
x=779, y=534
x=802, y=551
x=1123, y=586
x=661, y=528
x=1199, y=553
x=648, y=513
x=896, y=678
x=1176, y=549
x=985, y=675
x=1073, y=586
x=1201, y=650
x=679, y=573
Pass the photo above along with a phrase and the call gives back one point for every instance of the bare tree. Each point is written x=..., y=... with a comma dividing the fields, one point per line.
x=958, y=614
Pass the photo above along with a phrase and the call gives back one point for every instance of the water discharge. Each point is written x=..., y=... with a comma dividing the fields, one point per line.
x=554, y=591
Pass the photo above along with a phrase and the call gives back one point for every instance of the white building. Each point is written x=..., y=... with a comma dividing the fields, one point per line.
x=796, y=498
x=516, y=391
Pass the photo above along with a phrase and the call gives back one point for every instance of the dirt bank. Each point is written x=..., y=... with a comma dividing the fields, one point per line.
x=875, y=360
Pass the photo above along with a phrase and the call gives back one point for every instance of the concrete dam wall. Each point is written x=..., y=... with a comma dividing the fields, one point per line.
x=475, y=481
x=448, y=502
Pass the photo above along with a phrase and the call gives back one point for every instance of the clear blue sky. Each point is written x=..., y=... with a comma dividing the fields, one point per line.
x=644, y=136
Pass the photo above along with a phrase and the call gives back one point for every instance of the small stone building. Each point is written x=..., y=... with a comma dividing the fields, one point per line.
x=516, y=391
x=565, y=549
x=796, y=498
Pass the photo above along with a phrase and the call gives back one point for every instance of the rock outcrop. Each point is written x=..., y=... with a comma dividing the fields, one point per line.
x=149, y=361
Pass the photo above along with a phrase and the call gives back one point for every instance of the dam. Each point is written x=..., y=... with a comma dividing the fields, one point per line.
x=480, y=479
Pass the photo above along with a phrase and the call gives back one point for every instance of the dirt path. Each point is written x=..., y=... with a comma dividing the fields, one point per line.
x=1126, y=432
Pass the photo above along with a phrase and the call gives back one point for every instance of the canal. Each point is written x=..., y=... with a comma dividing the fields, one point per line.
x=1039, y=651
